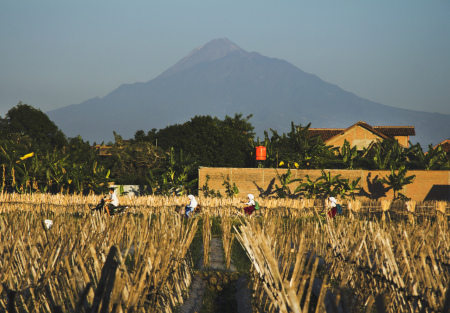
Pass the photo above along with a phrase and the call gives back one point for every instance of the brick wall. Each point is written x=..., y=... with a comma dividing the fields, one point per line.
x=428, y=185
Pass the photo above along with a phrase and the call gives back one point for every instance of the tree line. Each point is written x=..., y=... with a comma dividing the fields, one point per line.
x=36, y=156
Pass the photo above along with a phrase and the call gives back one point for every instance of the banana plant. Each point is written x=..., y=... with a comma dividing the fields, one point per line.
x=351, y=188
x=381, y=160
x=433, y=159
x=283, y=191
x=396, y=181
x=175, y=179
x=10, y=157
x=77, y=177
x=386, y=154
x=311, y=189
x=152, y=180
x=96, y=178
x=332, y=185
x=348, y=154
x=58, y=170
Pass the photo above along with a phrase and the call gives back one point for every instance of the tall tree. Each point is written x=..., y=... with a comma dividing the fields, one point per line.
x=130, y=161
x=26, y=120
x=213, y=142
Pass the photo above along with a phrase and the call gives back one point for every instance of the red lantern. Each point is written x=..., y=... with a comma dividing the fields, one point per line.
x=260, y=153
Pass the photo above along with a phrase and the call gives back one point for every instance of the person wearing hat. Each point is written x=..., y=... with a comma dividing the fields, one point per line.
x=250, y=204
x=189, y=209
x=111, y=201
x=332, y=210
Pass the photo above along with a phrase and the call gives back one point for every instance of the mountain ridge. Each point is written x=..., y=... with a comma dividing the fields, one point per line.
x=221, y=79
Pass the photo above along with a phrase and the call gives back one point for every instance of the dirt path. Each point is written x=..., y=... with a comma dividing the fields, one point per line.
x=195, y=300
x=217, y=277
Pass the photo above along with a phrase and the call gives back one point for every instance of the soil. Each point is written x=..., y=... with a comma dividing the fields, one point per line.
x=216, y=288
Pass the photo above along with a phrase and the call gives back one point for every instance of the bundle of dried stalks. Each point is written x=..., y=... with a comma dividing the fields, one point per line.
x=206, y=239
x=227, y=238
x=368, y=258
x=354, y=206
x=441, y=206
x=281, y=295
x=385, y=205
x=411, y=206
x=96, y=263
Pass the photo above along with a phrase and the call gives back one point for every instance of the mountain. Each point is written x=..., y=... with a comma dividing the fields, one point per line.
x=221, y=79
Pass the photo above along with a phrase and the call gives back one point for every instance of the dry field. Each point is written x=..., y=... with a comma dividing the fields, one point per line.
x=376, y=257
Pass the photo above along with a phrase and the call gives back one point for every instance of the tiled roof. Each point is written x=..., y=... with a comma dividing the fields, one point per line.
x=446, y=145
x=325, y=133
x=382, y=131
x=392, y=131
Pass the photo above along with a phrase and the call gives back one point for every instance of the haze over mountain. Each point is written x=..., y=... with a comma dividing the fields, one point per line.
x=221, y=79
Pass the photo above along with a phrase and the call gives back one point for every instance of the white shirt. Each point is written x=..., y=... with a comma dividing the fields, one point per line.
x=193, y=202
x=113, y=197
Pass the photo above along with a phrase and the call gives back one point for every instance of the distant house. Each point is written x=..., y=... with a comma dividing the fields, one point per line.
x=362, y=134
x=103, y=150
x=446, y=145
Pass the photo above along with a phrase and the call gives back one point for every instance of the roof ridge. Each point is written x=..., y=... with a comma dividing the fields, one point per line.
x=393, y=126
x=326, y=128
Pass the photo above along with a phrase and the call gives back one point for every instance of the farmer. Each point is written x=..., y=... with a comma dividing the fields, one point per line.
x=111, y=201
x=189, y=209
x=331, y=205
x=250, y=204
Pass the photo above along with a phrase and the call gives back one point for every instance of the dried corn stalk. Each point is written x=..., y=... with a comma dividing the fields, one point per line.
x=206, y=240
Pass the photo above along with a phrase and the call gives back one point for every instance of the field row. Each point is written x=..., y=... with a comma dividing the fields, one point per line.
x=301, y=261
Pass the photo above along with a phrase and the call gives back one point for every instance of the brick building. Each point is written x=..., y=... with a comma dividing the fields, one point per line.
x=446, y=145
x=362, y=134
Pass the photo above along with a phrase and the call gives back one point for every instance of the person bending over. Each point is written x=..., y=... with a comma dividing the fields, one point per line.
x=250, y=204
x=331, y=205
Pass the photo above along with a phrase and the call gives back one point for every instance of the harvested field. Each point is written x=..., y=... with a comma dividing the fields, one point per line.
x=376, y=257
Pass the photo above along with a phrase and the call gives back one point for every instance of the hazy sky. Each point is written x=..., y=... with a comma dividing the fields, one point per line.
x=54, y=53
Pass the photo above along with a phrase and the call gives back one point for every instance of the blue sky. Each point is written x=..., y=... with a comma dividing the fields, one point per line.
x=55, y=53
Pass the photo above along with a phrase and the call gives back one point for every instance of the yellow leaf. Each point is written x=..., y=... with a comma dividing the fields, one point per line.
x=26, y=156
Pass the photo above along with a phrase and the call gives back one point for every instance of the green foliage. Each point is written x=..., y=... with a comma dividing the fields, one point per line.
x=311, y=189
x=332, y=186
x=433, y=159
x=327, y=185
x=213, y=142
x=25, y=120
x=208, y=192
x=298, y=146
x=348, y=155
x=351, y=188
x=385, y=154
x=396, y=181
x=131, y=161
x=230, y=190
x=283, y=191
x=167, y=160
x=176, y=178
x=29, y=167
